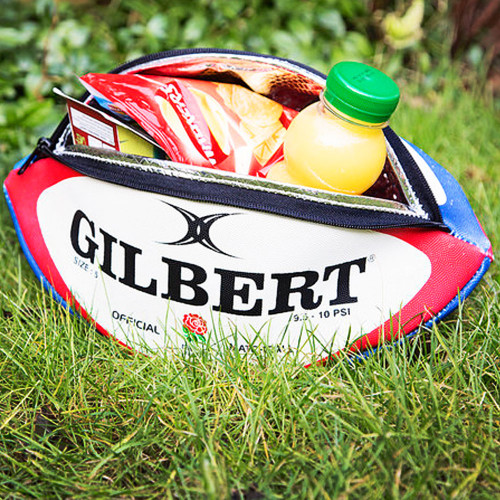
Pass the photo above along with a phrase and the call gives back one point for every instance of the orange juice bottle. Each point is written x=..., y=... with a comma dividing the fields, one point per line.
x=337, y=143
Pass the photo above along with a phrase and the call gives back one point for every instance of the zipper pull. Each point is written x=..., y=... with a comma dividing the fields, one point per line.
x=43, y=149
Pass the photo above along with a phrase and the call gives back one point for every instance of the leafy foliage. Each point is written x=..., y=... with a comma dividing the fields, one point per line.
x=46, y=43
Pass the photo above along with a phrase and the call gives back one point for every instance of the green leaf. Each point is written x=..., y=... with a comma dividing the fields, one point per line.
x=332, y=21
x=15, y=37
x=157, y=26
x=354, y=46
x=195, y=28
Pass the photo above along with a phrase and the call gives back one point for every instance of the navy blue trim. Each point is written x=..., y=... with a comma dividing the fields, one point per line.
x=242, y=197
x=180, y=52
x=415, y=176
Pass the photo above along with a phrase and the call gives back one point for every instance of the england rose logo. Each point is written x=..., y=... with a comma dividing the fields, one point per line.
x=194, y=326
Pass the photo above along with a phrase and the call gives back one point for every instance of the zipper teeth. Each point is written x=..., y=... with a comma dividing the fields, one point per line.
x=252, y=206
x=179, y=52
x=160, y=169
x=112, y=177
x=406, y=187
x=59, y=132
x=431, y=204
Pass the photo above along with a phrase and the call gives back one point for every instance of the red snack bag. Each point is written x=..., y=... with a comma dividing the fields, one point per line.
x=209, y=124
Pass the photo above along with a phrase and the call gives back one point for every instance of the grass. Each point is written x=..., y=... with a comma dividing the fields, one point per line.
x=81, y=418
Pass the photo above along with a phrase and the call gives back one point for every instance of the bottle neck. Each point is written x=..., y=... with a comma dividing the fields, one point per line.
x=349, y=119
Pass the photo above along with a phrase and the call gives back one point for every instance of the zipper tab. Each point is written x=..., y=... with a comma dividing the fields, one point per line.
x=43, y=149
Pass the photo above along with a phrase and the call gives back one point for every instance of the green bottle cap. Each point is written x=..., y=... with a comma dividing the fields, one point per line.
x=361, y=92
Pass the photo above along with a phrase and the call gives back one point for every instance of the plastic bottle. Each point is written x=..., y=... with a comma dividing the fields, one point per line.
x=337, y=143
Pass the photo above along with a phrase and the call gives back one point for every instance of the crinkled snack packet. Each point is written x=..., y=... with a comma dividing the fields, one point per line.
x=210, y=124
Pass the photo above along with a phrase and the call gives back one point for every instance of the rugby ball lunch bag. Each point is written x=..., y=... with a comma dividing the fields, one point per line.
x=161, y=255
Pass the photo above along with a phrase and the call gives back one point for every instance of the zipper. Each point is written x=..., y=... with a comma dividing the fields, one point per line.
x=43, y=149
x=210, y=186
x=180, y=52
x=367, y=217
x=415, y=176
